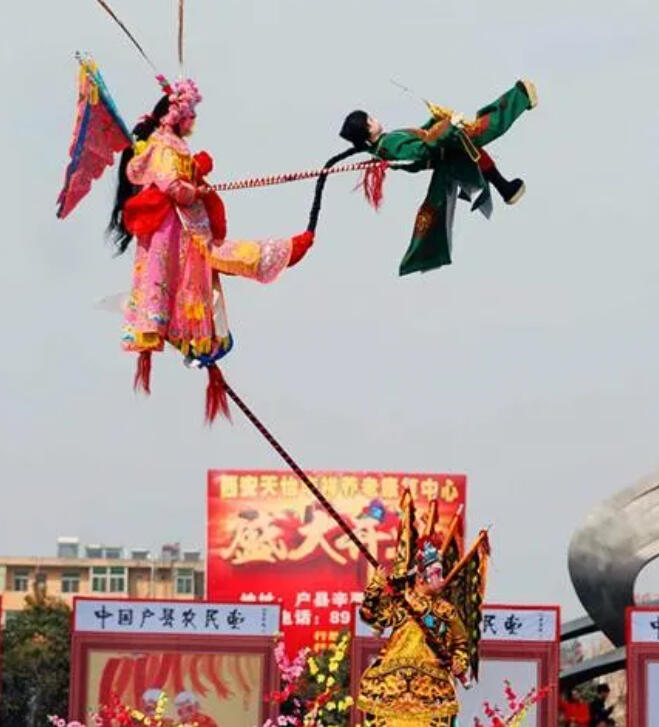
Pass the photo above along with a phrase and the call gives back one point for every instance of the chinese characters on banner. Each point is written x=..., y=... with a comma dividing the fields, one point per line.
x=269, y=541
x=502, y=623
x=175, y=617
x=519, y=624
x=644, y=626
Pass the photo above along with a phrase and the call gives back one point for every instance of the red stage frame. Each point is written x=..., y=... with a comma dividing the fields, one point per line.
x=84, y=642
x=545, y=653
x=639, y=654
x=1, y=664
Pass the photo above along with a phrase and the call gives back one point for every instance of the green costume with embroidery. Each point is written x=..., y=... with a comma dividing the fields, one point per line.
x=453, y=153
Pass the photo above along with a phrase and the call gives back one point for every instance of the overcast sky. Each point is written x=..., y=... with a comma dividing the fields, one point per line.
x=530, y=364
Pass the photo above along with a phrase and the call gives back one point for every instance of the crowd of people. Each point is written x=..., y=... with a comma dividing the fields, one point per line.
x=576, y=712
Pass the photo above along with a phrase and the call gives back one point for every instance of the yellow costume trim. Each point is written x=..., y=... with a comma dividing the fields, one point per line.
x=531, y=92
x=244, y=259
x=144, y=340
x=184, y=166
x=409, y=662
x=404, y=715
x=389, y=721
x=440, y=113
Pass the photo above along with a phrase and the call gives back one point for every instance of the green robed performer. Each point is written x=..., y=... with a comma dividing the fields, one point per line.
x=454, y=150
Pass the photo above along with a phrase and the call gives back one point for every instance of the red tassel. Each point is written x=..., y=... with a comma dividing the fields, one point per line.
x=372, y=183
x=216, y=395
x=142, y=380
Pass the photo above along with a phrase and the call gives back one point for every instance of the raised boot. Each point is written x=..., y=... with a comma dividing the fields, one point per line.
x=511, y=191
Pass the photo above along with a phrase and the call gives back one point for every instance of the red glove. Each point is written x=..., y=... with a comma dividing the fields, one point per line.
x=301, y=243
x=204, y=163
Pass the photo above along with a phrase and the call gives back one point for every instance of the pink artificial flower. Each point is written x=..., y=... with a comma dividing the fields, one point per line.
x=489, y=712
x=183, y=98
x=510, y=695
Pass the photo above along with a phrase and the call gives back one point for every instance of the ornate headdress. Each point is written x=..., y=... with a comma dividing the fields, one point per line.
x=432, y=550
x=183, y=97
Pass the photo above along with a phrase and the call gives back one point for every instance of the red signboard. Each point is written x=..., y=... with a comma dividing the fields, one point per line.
x=270, y=541
x=212, y=662
x=642, y=666
x=0, y=648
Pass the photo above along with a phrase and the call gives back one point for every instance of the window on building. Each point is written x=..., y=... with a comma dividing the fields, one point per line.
x=170, y=552
x=94, y=551
x=140, y=554
x=68, y=548
x=113, y=553
x=109, y=580
x=21, y=579
x=71, y=581
x=117, y=579
x=184, y=581
x=99, y=580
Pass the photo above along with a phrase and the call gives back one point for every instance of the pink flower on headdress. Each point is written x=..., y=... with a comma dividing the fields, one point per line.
x=183, y=98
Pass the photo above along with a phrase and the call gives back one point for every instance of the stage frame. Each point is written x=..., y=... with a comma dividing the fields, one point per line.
x=545, y=652
x=83, y=643
x=642, y=650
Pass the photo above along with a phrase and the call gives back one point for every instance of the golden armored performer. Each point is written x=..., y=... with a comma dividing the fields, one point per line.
x=432, y=602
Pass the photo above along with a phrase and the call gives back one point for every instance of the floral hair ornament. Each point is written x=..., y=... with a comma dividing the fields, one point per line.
x=183, y=97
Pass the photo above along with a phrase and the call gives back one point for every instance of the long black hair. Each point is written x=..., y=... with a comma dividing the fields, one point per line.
x=320, y=185
x=355, y=130
x=125, y=189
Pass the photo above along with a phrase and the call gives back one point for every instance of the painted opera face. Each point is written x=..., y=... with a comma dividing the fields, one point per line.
x=374, y=129
x=187, y=124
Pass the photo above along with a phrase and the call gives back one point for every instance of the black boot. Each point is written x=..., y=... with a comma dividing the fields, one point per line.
x=510, y=192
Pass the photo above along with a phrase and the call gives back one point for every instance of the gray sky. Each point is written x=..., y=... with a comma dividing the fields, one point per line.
x=530, y=364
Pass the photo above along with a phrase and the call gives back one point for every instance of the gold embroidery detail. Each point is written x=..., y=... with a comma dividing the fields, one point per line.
x=184, y=166
x=424, y=221
x=433, y=133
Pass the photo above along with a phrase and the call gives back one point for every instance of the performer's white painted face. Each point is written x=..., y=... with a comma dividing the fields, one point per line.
x=432, y=578
x=374, y=129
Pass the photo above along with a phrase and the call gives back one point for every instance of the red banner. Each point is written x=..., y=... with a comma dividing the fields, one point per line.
x=270, y=541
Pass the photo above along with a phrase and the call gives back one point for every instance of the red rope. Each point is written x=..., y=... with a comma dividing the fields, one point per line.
x=296, y=176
